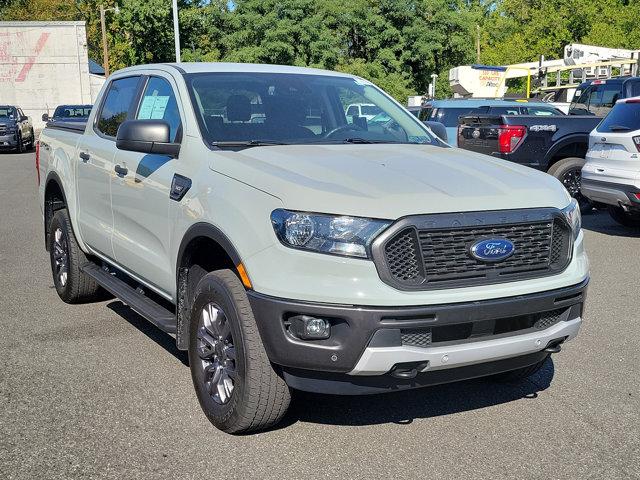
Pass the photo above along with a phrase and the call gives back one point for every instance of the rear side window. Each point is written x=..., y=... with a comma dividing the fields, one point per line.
x=624, y=117
x=542, y=111
x=116, y=105
x=449, y=116
x=504, y=110
x=159, y=103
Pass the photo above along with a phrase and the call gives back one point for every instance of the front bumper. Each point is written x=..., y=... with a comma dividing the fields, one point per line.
x=370, y=341
x=610, y=193
x=9, y=140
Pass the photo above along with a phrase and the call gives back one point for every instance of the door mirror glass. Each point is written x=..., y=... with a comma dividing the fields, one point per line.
x=45, y=117
x=146, y=136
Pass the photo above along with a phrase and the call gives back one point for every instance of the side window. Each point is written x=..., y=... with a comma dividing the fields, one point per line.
x=116, y=105
x=425, y=113
x=352, y=111
x=610, y=95
x=580, y=106
x=159, y=103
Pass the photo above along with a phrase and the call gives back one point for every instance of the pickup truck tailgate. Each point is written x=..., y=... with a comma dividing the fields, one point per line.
x=479, y=133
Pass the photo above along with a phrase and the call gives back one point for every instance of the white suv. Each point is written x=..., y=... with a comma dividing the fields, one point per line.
x=611, y=175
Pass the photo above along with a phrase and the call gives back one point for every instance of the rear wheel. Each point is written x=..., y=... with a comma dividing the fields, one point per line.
x=628, y=219
x=236, y=385
x=569, y=172
x=72, y=285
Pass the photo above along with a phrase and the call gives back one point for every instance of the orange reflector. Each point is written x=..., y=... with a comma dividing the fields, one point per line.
x=243, y=276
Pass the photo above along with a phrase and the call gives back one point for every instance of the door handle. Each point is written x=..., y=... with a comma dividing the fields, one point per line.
x=121, y=171
x=84, y=156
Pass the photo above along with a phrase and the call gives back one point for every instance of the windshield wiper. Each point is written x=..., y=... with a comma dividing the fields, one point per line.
x=246, y=143
x=364, y=140
x=619, y=128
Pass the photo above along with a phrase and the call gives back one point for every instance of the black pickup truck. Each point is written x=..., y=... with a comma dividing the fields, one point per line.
x=556, y=144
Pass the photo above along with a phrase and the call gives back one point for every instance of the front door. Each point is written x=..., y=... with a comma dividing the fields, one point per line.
x=140, y=197
x=96, y=153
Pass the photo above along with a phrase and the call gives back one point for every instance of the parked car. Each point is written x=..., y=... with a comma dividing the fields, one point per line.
x=556, y=144
x=364, y=110
x=347, y=261
x=68, y=113
x=611, y=174
x=447, y=112
x=16, y=130
x=597, y=97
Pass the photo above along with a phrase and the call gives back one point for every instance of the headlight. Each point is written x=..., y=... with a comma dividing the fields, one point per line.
x=572, y=213
x=338, y=235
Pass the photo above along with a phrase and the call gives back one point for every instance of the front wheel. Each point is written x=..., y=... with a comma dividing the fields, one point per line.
x=627, y=219
x=236, y=385
x=569, y=172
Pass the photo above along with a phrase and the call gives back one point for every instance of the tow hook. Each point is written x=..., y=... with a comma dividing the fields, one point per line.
x=554, y=347
x=408, y=370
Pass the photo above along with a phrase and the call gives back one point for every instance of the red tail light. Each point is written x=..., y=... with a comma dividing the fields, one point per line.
x=38, y=161
x=510, y=136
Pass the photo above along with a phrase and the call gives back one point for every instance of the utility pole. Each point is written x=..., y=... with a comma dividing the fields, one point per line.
x=478, y=42
x=105, y=52
x=176, y=30
x=433, y=84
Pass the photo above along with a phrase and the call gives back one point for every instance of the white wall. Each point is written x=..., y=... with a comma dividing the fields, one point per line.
x=44, y=64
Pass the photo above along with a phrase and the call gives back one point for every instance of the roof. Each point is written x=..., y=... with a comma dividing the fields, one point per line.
x=215, y=67
x=479, y=102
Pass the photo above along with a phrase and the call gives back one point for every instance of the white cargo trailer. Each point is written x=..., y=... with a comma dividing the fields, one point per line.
x=45, y=64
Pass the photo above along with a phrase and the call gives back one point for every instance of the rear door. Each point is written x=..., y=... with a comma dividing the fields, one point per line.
x=140, y=198
x=96, y=152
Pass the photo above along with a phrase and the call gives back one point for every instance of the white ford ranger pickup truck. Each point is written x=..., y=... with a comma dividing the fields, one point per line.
x=288, y=244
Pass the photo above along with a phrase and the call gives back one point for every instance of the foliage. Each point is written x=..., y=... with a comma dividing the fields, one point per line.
x=397, y=44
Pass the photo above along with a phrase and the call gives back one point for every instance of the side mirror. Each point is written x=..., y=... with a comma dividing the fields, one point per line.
x=45, y=117
x=438, y=128
x=146, y=136
x=24, y=118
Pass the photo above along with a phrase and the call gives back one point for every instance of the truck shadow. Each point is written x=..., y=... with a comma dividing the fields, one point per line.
x=397, y=407
x=599, y=221
x=404, y=407
x=163, y=339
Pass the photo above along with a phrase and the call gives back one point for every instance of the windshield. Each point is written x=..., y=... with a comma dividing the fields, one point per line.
x=7, y=112
x=72, y=111
x=298, y=109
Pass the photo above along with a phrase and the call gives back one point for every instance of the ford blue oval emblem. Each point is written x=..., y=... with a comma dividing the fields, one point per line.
x=492, y=249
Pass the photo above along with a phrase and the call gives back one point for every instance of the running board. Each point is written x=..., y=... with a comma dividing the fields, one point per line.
x=162, y=318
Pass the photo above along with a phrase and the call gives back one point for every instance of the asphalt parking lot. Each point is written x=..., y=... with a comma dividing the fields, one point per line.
x=93, y=391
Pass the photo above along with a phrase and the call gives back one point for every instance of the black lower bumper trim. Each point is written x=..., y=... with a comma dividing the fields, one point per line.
x=343, y=384
x=353, y=327
x=610, y=193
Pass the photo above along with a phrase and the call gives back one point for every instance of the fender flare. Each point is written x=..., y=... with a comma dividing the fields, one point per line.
x=51, y=177
x=575, y=138
x=196, y=230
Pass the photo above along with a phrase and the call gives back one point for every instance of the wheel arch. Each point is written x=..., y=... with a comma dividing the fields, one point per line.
x=571, y=146
x=203, y=249
x=54, y=199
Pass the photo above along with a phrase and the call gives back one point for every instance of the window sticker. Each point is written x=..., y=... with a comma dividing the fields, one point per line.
x=153, y=107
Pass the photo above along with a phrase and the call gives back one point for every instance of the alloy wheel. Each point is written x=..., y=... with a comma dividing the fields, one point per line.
x=61, y=256
x=217, y=353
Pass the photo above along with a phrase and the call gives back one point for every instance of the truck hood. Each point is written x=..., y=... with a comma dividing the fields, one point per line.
x=389, y=180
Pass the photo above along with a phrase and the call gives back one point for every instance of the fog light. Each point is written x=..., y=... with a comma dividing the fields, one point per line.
x=310, y=328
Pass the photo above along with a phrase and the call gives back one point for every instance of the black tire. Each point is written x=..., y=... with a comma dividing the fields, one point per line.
x=518, y=374
x=20, y=146
x=569, y=172
x=259, y=397
x=66, y=257
x=627, y=219
x=32, y=141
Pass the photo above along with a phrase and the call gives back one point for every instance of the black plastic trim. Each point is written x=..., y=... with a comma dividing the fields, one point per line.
x=342, y=384
x=628, y=190
x=357, y=325
x=461, y=220
x=52, y=177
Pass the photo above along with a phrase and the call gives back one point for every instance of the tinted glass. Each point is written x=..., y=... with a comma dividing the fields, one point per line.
x=7, y=112
x=300, y=109
x=504, y=111
x=158, y=102
x=72, y=111
x=580, y=105
x=623, y=117
x=541, y=111
x=634, y=89
x=449, y=116
x=116, y=105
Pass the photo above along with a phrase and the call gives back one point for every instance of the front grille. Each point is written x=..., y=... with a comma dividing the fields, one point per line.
x=3, y=129
x=480, y=330
x=414, y=257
